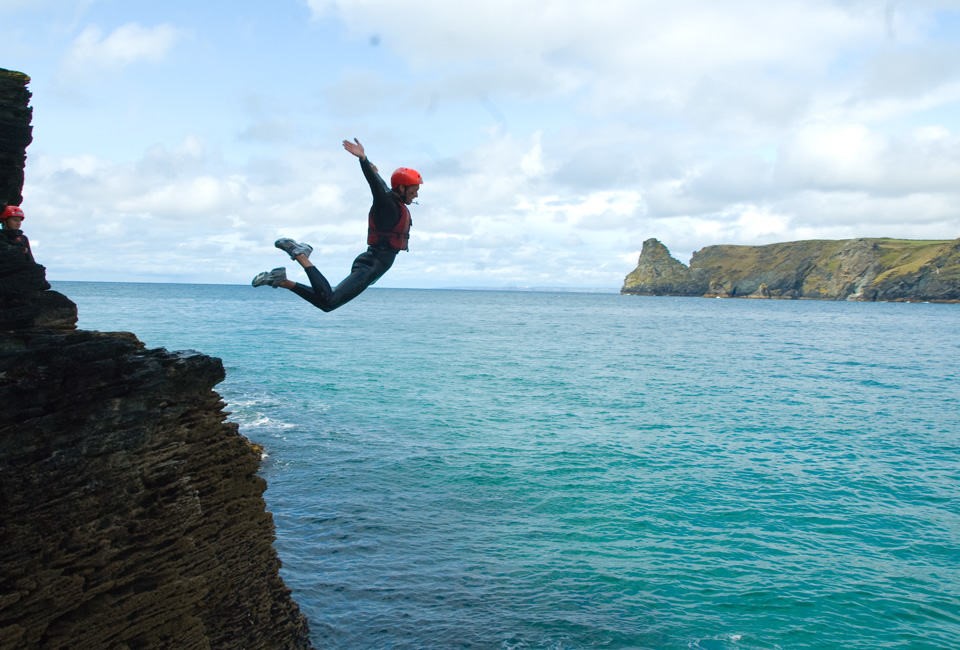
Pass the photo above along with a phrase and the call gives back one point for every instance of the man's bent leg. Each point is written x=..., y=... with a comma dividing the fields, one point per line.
x=367, y=269
x=320, y=294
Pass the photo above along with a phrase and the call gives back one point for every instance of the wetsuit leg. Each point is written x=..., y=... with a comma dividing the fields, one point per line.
x=318, y=293
x=367, y=268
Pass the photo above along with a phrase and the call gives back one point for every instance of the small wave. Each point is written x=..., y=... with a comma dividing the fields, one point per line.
x=719, y=642
x=259, y=421
x=264, y=421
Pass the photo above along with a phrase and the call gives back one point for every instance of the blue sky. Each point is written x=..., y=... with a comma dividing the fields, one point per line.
x=174, y=141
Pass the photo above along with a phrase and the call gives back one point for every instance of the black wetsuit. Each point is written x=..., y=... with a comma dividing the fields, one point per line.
x=16, y=239
x=369, y=265
x=17, y=258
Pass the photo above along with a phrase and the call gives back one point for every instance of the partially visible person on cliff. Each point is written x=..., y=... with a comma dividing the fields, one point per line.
x=388, y=229
x=12, y=217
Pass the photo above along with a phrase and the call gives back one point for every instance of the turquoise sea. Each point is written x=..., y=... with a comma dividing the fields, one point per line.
x=482, y=469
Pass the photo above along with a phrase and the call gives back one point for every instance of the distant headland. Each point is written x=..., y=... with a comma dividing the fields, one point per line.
x=896, y=270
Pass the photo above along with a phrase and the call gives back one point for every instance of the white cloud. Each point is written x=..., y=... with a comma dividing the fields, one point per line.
x=854, y=157
x=554, y=137
x=124, y=46
x=532, y=162
x=833, y=156
x=620, y=54
x=320, y=8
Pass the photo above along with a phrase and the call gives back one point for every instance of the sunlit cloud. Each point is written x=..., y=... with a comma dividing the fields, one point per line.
x=554, y=137
x=124, y=46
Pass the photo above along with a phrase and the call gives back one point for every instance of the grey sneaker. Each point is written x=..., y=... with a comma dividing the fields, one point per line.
x=272, y=278
x=292, y=248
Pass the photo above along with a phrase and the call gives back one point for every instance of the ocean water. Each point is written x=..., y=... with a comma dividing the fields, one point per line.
x=457, y=469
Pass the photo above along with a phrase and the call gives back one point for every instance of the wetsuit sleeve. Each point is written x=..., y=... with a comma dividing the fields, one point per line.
x=377, y=185
x=386, y=210
x=16, y=240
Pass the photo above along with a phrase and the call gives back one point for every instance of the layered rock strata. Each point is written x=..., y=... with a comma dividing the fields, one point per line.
x=131, y=511
x=16, y=133
x=133, y=515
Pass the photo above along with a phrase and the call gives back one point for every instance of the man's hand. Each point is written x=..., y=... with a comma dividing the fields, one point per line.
x=355, y=148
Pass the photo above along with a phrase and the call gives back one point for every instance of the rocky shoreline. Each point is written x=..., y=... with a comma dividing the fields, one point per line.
x=132, y=510
x=895, y=270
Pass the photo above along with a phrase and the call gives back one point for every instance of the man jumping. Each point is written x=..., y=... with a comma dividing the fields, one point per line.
x=388, y=231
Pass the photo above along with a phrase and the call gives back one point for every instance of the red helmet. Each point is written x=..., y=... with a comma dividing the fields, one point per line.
x=405, y=176
x=11, y=211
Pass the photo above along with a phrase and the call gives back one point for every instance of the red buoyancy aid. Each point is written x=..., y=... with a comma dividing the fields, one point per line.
x=397, y=237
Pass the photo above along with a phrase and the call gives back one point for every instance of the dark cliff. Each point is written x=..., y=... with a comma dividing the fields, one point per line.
x=16, y=133
x=131, y=512
x=851, y=269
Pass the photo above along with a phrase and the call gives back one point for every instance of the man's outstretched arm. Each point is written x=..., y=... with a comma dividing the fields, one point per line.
x=355, y=148
x=377, y=185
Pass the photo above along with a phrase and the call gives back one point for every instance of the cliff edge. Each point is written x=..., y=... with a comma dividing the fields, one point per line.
x=851, y=269
x=131, y=512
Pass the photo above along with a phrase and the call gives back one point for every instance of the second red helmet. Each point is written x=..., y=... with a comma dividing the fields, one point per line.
x=405, y=176
x=11, y=211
